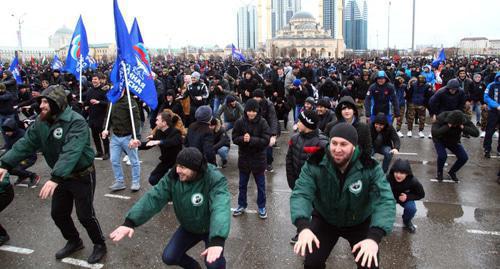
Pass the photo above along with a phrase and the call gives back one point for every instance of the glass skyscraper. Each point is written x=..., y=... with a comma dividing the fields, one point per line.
x=356, y=25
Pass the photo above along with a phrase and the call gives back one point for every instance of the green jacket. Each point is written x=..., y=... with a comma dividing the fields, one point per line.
x=4, y=183
x=201, y=206
x=366, y=193
x=65, y=145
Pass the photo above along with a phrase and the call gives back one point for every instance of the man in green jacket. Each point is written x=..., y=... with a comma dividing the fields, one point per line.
x=62, y=135
x=201, y=201
x=337, y=196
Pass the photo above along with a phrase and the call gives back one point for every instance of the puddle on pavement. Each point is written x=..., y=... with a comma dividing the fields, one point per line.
x=451, y=213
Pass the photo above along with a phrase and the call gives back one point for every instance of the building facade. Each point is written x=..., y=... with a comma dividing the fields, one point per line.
x=473, y=45
x=304, y=37
x=247, y=27
x=281, y=13
x=356, y=25
x=60, y=38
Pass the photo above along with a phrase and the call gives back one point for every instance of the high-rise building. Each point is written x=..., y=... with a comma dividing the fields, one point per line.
x=247, y=27
x=356, y=25
x=331, y=16
x=281, y=13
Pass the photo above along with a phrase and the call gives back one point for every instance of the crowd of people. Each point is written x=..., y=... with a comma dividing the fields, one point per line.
x=340, y=113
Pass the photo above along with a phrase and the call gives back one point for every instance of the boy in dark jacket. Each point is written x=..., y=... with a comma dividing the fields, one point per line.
x=282, y=110
x=385, y=139
x=325, y=114
x=13, y=133
x=232, y=111
x=302, y=145
x=446, y=133
x=406, y=190
x=169, y=139
x=221, y=140
x=252, y=134
x=199, y=134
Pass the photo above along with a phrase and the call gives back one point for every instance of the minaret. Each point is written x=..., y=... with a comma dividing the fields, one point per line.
x=340, y=19
x=259, y=23
x=320, y=14
x=268, y=19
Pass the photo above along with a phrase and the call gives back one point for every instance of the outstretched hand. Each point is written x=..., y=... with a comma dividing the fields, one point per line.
x=368, y=250
x=212, y=253
x=304, y=242
x=121, y=232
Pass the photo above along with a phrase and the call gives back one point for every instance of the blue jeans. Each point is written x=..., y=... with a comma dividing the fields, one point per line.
x=386, y=151
x=456, y=149
x=229, y=125
x=260, y=181
x=119, y=144
x=410, y=209
x=217, y=103
x=296, y=113
x=222, y=152
x=476, y=107
x=180, y=243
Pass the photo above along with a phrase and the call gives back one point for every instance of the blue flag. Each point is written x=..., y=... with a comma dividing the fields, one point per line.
x=137, y=72
x=78, y=50
x=56, y=63
x=237, y=54
x=441, y=58
x=14, y=68
x=92, y=63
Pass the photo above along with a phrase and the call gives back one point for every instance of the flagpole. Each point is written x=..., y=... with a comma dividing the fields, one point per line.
x=109, y=116
x=80, y=80
x=129, y=100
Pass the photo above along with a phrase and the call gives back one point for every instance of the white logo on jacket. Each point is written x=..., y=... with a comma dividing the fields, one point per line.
x=58, y=133
x=356, y=187
x=197, y=199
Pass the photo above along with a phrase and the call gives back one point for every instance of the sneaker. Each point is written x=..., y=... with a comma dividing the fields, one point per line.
x=239, y=211
x=34, y=181
x=496, y=135
x=70, y=248
x=487, y=154
x=400, y=134
x=294, y=239
x=97, y=254
x=105, y=157
x=135, y=187
x=478, y=124
x=20, y=180
x=224, y=163
x=421, y=134
x=430, y=136
x=269, y=168
x=409, y=134
x=98, y=156
x=263, y=213
x=410, y=227
x=125, y=159
x=453, y=176
x=439, y=177
x=483, y=134
x=117, y=186
x=4, y=239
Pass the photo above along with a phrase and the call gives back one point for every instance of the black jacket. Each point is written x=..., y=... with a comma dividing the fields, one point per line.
x=476, y=93
x=201, y=137
x=170, y=145
x=442, y=133
x=175, y=106
x=443, y=100
x=221, y=139
x=252, y=154
x=329, y=89
x=328, y=117
x=97, y=112
x=7, y=103
x=300, y=147
x=389, y=136
x=410, y=186
x=269, y=114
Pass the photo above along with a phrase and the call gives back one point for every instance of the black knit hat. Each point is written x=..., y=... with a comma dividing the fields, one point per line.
x=324, y=102
x=346, y=131
x=258, y=93
x=309, y=119
x=192, y=158
x=252, y=105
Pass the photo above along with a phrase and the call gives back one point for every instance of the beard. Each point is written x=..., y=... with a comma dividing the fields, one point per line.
x=46, y=116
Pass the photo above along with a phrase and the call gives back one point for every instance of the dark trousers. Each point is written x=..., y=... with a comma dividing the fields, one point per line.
x=491, y=126
x=456, y=149
x=269, y=154
x=160, y=170
x=6, y=198
x=180, y=243
x=96, y=136
x=328, y=235
x=20, y=169
x=260, y=181
x=79, y=191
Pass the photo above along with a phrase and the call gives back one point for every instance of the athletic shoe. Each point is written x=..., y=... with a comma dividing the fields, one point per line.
x=135, y=187
x=262, y=213
x=99, y=156
x=483, y=134
x=487, y=154
x=269, y=168
x=496, y=135
x=239, y=211
x=294, y=239
x=439, y=177
x=453, y=176
x=20, y=180
x=70, y=248
x=105, y=157
x=97, y=254
x=421, y=134
x=125, y=159
x=400, y=134
x=4, y=239
x=34, y=181
x=410, y=227
x=224, y=163
x=409, y=134
x=117, y=186
x=430, y=136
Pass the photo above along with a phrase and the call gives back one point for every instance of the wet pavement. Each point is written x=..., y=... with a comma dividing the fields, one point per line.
x=458, y=225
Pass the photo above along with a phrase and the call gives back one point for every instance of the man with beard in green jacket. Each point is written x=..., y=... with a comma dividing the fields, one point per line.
x=201, y=201
x=337, y=196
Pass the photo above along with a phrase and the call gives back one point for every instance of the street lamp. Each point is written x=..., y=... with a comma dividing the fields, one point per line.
x=413, y=31
x=388, y=26
x=20, y=22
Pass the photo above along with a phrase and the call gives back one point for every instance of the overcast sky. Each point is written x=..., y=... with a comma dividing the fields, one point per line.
x=199, y=22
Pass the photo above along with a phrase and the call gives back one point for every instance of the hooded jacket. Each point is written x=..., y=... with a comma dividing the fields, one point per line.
x=221, y=139
x=201, y=137
x=7, y=101
x=329, y=89
x=419, y=94
x=252, y=154
x=442, y=133
x=443, y=100
x=97, y=112
x=492, y=93
x=410, y=186
x=389, y=136
x=429, y=76
x=209, y=213
x=10, y=83
x=381, y=98
x=65, y=143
